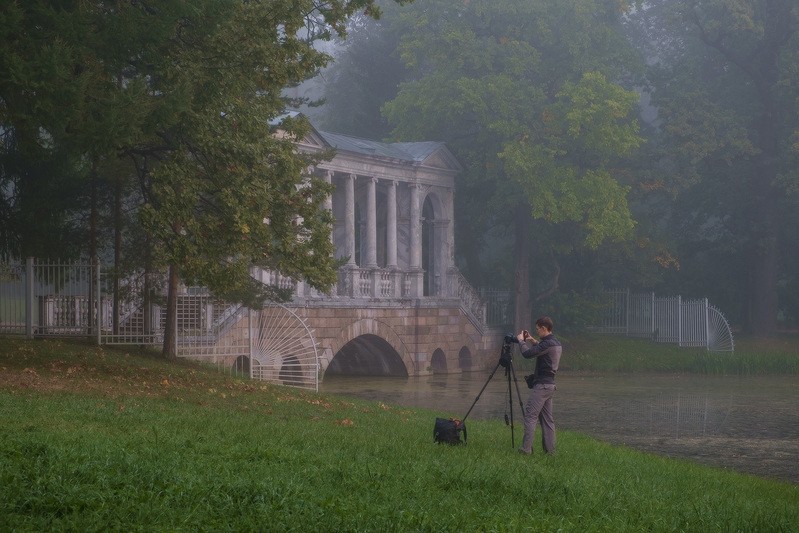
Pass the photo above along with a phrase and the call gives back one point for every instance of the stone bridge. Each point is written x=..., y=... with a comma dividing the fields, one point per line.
x=419, y=338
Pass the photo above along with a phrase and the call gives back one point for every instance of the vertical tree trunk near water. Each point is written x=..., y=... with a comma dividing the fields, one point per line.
x=93, y=200
x=170, y=330
x=93, y=318
x=765, y=257
x=117, y=249
x=521, y=275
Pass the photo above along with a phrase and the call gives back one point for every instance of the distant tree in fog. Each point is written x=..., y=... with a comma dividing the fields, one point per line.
x=725, y=83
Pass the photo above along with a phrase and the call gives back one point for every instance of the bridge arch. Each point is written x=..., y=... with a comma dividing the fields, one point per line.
x=465, y=358
x=438, y=362
x=370, y=336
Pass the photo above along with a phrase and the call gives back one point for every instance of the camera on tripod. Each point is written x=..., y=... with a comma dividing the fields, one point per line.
x=506, y=361
x=505, y=357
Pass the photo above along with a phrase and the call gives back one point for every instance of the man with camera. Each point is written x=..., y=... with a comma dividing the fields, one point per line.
x=547, y=351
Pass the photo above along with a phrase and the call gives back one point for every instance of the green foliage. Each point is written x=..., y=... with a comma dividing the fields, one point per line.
x=95, y=439
x=528, y=95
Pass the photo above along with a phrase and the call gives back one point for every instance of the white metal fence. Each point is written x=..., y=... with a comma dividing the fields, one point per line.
x=666, y=319
x=45, y=298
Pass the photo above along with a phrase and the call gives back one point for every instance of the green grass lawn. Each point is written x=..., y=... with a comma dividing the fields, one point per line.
x=99, y=439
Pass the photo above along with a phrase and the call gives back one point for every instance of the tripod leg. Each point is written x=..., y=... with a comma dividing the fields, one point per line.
x=510, y=404
x=481, y=392
x=518, y=393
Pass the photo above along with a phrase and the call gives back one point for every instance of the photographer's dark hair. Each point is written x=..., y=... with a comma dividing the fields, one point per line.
x=545, y=322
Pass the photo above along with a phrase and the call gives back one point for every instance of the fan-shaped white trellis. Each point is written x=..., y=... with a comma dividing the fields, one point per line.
x=283, y=348
x=719, y=334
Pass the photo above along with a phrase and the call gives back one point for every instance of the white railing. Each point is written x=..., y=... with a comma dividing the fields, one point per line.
x=470, y=299
x=666, y=319
x=498, y=307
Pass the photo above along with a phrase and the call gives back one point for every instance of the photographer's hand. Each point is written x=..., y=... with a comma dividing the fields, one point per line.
x=529, y=338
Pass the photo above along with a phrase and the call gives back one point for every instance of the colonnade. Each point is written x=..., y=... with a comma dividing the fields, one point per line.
x=395, y=235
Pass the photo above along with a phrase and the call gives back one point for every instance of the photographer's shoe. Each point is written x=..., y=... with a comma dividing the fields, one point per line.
x=523, y=452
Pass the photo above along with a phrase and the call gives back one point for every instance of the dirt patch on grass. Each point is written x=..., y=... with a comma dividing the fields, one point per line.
x=768, y=457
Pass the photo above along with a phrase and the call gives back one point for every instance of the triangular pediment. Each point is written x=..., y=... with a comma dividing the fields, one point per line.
x=315, y=140
x=442, y=158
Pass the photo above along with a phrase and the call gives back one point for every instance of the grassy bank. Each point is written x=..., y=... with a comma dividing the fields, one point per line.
x=608, y=353
x=97, y=439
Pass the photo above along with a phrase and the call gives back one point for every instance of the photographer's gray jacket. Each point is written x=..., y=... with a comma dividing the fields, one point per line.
x=547, y=353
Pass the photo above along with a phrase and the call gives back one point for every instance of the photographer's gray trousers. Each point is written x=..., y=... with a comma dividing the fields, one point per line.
x=539, y=408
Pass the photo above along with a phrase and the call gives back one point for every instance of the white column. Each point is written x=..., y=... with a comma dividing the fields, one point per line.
x=371, y=223
x=450, y=253
x=328, y=177
x=349, y=218
x=391, y=230
x=328, y=205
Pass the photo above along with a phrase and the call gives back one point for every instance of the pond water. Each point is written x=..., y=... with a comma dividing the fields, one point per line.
x=750, y=424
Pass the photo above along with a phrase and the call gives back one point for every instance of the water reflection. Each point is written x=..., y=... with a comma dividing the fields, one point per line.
x=447, y=394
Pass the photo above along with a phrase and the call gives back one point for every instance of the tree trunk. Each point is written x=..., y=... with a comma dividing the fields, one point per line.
x=170, y=328
x=765, y=271
x=521, y=278
x=93, y=317
x=117, y=249
x=765, y=259
x=93, y=200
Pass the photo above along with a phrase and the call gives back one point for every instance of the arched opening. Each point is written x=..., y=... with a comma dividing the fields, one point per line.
x=465, y=359
x=367, y=355
x=428, y=248
x=241, y=366
x=438, y=363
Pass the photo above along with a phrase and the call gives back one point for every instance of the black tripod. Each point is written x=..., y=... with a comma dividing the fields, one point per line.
x=505, y=360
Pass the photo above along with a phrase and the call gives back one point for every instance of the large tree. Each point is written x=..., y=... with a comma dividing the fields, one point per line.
x=191, y=95
x=725, y=80
x=526, y=94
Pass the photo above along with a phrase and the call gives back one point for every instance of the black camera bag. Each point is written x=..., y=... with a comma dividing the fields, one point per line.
x=530, y=379
x=448, y=430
